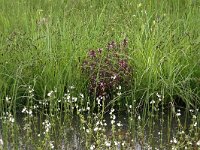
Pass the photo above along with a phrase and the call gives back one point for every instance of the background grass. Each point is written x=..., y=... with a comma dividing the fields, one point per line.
x=42, y=41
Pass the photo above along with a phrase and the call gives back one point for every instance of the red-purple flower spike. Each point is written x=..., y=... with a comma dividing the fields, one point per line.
x=108, y=72
x=123, y=64
x=92, y=53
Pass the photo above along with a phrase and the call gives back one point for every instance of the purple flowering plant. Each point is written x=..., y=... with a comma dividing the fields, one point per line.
x=107, y=70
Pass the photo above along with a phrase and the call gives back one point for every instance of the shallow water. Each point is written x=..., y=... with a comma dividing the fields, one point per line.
x=155, y=133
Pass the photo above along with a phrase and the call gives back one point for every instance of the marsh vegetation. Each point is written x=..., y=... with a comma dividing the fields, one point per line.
x=99, y=74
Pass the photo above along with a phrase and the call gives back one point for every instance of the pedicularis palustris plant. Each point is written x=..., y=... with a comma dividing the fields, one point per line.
x=108, y=70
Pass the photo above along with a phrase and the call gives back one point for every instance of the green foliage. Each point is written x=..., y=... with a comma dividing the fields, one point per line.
x=42, y=43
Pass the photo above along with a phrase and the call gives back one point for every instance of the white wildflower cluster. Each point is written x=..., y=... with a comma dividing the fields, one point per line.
x=51, y=144
x=117, y=144
x=35, y=106
x=81, y=96
x=88, y=106
x=107, y=143
x=99, y=101
x=174, y=141
x=191, y=110
x=52, y=93
x=129, y=108
x=27, y=127
x=114, y=77
x=44, y=102
x=30, y=91
x=119, y=124
x=139, y=118
x=1, y=142
x=194, y=119
x=67, y=97
x=8, y=99
x=160, y=97
x=8, y=117
x=152, y=102
x=112, y=116
x=47, y=126
x=198, y=143
x=119, y=90
x=27, y=111
x=178, y=113
x=100, y=125
x=70, y=98
x=92, y=147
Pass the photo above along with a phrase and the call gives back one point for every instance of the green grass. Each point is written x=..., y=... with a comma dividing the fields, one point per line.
x=44, y=42
x=41, y=43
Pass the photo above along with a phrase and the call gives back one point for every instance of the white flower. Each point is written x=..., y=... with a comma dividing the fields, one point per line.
x=96, y=129
x=88, y=108
x=31, y=90
x=112, y=121
x=50, y=94
x=175, y=140
x=123, y=143
x=51, y=144
x=24, y=110
x=116, y=143
x=74, y=99
x=68, y=97
x=35, y=106
x=72, y=87
x=92, y=147
x=119, y=124
x=119, y=87
x=113, y=77
x=178, y=114
x=114, y=117
x=158, y=95
x=108, y=143
x=97, y=123
x=1, y=142
x=195, y=124
x=8, y=99
x=191, y=110
x=119, y=93
x=87, y=130
x=47, y=125
x=198, y=143
x=194, y=117
x=111, y=111
x=11, y=119
x=30, y=112
x=152, y=102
